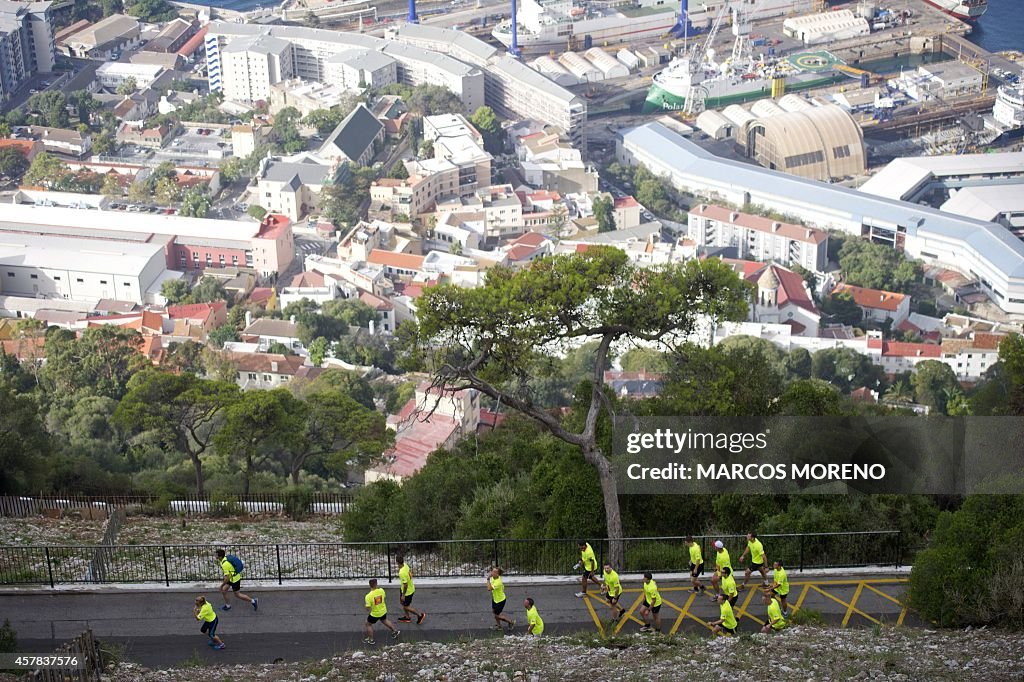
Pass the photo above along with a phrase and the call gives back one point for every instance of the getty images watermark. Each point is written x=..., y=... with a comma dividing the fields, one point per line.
x=914, y=455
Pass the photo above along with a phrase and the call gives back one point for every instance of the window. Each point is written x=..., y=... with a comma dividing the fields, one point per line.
x=80, y=280
x=252, y=376
x=103, y=281
x=841, y=152
x=56, y=279
x=33, y=276
x=234, y=260
x=10, y=274
x=267, y=378
x=127, y=284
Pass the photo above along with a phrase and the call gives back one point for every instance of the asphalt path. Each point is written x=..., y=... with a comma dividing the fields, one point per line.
x=154, y=625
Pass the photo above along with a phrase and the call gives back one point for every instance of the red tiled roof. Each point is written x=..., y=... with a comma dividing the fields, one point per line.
x=908, y=326
x=273, y=226
x=797, y=327
x=404, y=261
x=193, y=43
x=791, y=287
x=626, y=202
x=311, y=278
x=261, y=295
x=491, y=418
x=534, y=239
x=910, y=350
x=743, y=268
x=25, y=348
x=987, y=341
x=871, y=298
x=410, y=290
x=375, y=302
x=23, y=146
x=194, y=310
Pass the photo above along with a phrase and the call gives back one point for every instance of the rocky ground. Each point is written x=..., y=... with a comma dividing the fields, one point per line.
x=799, y=653
x=193, y=530
x=40, y=530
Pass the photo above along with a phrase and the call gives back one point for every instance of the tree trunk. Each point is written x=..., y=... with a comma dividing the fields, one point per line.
x=613, y=515
x=198, y=465
x=247, y=473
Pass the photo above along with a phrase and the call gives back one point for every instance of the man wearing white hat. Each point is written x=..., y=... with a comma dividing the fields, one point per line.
x=721, y=561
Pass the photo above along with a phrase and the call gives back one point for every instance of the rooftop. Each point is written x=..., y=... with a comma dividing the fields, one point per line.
x=73, y=253
x=871, y=298
x=759, y=223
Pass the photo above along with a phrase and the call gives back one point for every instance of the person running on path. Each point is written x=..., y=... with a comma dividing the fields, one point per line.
x=775, y=620
x=758, y=560
x=204, y=613
x=722, y=560
x=589, y=563
x=534, y=623
x=612, y=587
x=408, y=589
x=377, y=610
x=232, y=580
x=696, y=564
x=651, y=605
x=780, y=586
x=726, y=623
x=497, y=590
x=729, y=586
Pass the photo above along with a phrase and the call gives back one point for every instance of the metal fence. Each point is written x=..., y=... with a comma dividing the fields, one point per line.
x=257, y=503
x=454, y=558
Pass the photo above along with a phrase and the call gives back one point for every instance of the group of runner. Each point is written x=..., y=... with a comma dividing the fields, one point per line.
x=723, y=587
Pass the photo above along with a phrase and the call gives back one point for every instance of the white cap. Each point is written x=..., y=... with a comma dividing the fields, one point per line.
x=718, y=544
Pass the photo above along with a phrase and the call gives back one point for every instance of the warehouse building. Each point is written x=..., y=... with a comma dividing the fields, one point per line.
x=609, y=65
x=77, y=269
x=815, y=29
x=821, y=143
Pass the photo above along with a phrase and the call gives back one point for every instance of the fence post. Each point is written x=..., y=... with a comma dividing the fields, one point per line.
x=899, y=548
x=801, y=552
x=494, y=542
x=277, y=548
x=49, y=566
x=387, y=551
x=167, y=574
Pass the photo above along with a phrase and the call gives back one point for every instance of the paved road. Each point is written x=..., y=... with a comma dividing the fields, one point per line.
x=156, y=628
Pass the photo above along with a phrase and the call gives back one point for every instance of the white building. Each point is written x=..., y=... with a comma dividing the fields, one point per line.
x=356, y=70
x=499, y=207
x=113, y=74
x=813, y=29
x=580, y=67
x=79, y=269
x=877, y=305
x=309, y=51
x=609, y=66
x=251, y=65
x=459, y=143
x=757, y=238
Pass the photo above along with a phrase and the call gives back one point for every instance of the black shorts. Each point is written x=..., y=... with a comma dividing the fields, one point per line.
x=733, y=599
x=209, y=627
x=755, y=567
x=779, y=595
x=498, y=606
x=696, y=570
x=235, y=587
x=613, y=600
x=587, y=575
x=373, y=619
x=653, y=609
x=406, y=600
x=731, y=631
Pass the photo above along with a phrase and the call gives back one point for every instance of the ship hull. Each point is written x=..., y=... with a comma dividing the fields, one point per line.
x=620, y=32
x=954, y=12
x=660, y=99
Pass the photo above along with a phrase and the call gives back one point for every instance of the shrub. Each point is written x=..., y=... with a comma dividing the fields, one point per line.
x=969, y=574
x=8, y=638
x=297, y=502
x=225, y=506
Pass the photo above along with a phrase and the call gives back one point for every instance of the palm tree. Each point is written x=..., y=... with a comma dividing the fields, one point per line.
x=899, y=393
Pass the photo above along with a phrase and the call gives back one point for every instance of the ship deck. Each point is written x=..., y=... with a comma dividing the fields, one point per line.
x=814, y=62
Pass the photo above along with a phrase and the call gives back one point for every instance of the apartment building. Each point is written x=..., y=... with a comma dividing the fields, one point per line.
x=251, y=65
x=26, y=43
x=758, y=238
x=498, y=206
x=292, y=188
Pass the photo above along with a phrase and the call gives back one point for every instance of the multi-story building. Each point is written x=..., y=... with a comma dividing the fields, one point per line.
x=356, y=70
x=311, y=51
x=104, y=39
x=113, y=74
x=305, y=96
x=877, y=305
x=60, y=140
x=549, y=161
x=758, y=238
x=26, y=43
x=459, y=143
x=428, y=181
x=292, y=188
x=251, y=65
x=499, y=207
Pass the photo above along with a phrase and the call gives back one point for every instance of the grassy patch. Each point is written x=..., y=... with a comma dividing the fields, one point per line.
x=807, y=617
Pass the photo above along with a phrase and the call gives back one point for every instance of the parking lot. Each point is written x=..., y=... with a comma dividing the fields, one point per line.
x=206, y=143
x=140, y=208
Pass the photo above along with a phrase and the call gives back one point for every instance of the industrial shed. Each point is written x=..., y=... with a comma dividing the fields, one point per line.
x=793, y=102
x=764, y=108
x=580, y=67
x=716, y=125
x=823, y=143
x=555, y=71
x=827, y=27
x=628, y=59
x=609, y=65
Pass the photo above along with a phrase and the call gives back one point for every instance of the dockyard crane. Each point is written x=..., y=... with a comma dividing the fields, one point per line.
x=694, y=62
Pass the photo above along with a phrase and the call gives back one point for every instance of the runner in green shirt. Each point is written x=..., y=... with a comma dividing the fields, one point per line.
x=729, y=586
x=758, y=560
x=775, y=620
x=726, y=622
x=780, y=586
x=696, y=564
x=722, y=560
x=497, y=590
x=408, y=589
x=534, y=623
x=612, y=587
x=588, y=561
x=204, y=613
x=651, y=605
x=377, y=610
